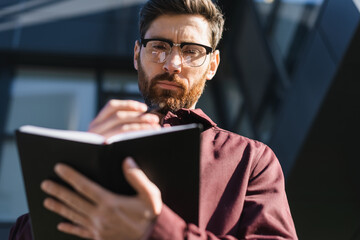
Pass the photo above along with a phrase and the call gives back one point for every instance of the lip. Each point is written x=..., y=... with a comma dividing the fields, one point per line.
x=168, y=85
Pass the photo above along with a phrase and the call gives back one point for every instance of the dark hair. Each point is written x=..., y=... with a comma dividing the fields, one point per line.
x=206, y=8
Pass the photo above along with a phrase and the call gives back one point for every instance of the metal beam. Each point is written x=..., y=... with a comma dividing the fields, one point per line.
x=6, y=77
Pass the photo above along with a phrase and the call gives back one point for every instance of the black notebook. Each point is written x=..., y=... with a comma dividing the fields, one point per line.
x=169, y=157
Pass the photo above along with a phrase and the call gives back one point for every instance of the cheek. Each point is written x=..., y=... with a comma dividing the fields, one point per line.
x=150, y=69
x=197, y=75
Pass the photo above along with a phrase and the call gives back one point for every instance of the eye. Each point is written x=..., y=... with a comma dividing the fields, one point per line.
x=160, y=46
x=192, y=50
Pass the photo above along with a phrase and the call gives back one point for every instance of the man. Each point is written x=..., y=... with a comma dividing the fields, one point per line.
x=242, y=192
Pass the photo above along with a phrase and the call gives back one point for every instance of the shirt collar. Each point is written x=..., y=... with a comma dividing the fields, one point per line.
x=187, y=116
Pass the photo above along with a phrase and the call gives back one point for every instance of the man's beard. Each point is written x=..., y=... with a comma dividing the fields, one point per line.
x=169, y=100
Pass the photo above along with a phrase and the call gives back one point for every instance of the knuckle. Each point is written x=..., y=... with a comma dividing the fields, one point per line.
x=111, y=103
x=153, y=192
x=81, y=187
x=109, y=202
x=71, y=216
x=156, y=192
x=63, y=212
x=129, y=104
x=83, y=233
x=114, y=103
x=144, y=125
x=131, y=127
x=148, y=118
x=125, y=128
x=136, y=126
x=120, y=115
x=135, y=105
x=100, y=226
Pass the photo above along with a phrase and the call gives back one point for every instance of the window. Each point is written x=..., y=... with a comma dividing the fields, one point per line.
x=48, y=98
x=287, y=24
x=116, y=85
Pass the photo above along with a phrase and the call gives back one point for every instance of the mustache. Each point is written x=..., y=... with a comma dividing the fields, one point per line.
x=166, y=76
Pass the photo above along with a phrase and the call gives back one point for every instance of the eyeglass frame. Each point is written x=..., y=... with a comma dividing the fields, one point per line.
x=208, y=49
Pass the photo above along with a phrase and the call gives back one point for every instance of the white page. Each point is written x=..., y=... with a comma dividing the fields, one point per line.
x=145, y=133
x=77, y=136
x=94, y=138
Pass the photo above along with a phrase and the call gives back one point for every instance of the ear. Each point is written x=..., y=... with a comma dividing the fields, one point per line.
x=214, y=64
x=136, y=54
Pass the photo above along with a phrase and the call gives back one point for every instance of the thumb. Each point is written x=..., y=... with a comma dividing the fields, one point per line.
x=136, y=177
x=146, y=189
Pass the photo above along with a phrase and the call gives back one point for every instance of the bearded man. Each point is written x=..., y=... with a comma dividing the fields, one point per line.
x=242, y=192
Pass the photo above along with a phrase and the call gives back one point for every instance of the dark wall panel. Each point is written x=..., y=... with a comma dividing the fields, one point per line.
x=254, y=64
x=324, y=186
x=302, y=102
x=6, y=40
x=110, y=33
x=79, y=36
x=338, y=23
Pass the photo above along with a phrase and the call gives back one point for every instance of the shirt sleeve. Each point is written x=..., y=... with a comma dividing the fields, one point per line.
x=21, y=230
x=266, y=210
x=266, y=213
x=169, y=225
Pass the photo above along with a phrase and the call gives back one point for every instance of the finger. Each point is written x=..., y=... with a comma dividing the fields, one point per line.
x=134, y=206
x=80, y=183
x=75, y=230
x=141, y=183
x=123, y=118
x=135, y=176
x=67, y=196
x=115, y=105
x=65, y=211
x=130, y=127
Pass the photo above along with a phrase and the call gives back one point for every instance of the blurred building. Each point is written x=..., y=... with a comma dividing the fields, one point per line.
x=289, y=76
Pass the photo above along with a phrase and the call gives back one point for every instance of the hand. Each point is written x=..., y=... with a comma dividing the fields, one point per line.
x=99, y=214
x=123, y=116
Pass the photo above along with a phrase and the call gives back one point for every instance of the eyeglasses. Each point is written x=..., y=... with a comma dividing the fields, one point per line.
x=192, y=54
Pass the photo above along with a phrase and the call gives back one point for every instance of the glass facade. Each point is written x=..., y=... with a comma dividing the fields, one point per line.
x=65, y=59
x=63, y=26
x=266, y=57
x=62, y=98
x=68, y=58
x=47, y=98
x=287, y=24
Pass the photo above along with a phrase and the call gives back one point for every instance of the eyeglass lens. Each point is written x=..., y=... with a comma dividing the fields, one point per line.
x=192, y=55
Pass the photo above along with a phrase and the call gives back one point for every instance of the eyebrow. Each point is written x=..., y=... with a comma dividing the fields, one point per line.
x=169, y=40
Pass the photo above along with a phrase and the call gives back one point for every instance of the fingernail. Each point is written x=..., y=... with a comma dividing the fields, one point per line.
x=151, y=118
x=131, y=163
x=58, y=168
x=47, y=203
x=156, y=118
x=44, y=185
x=143, y=107
x=61, y=226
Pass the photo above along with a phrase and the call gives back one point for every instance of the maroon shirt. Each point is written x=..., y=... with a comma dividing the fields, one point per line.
x=242, y=192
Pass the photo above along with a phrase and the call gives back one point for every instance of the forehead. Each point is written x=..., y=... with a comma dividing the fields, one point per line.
x=180, y=28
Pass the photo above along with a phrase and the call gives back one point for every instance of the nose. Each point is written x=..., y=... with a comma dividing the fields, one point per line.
x=173, y=63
